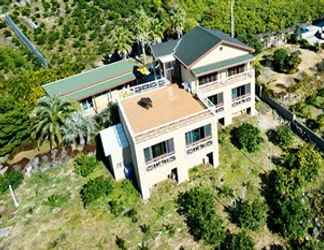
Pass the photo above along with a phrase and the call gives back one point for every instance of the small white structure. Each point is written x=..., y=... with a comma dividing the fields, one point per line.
x=116, y=151
x=312, y=33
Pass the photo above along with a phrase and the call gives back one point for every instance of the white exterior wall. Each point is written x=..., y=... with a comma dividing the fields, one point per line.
x=147, y=179
x=217, y=54
x=187, y=76
x=226, y=88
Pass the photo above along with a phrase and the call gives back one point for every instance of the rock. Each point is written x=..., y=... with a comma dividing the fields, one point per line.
x=4, y=232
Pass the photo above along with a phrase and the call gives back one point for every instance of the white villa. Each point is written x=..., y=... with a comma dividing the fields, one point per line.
x=170, y=125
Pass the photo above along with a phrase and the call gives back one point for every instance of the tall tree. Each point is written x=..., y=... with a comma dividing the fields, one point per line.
x=121, y=40
x=177, y=19
x=142, y=29
x=49, y=117
x=157, y=30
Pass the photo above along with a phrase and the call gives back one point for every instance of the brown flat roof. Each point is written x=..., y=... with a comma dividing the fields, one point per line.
x=168, y=104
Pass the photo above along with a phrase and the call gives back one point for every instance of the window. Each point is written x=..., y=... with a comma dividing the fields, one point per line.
x=217, y=99
x=159, y=149
x=241, y=91
x=208, y=78
x=236, y=70
x=87, y=103
x=169, y=65
x=198, y=134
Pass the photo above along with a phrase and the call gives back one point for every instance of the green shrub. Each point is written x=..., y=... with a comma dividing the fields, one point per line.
x=95, y=189
x=56, y=200
x=284, y=62
x=10, y=177
x=292, y=217
x=250, y=215
x=238, y=241
x=116, y=206
x=121, y=243
x=197, y=205
x=284, y=136
x=84, y=165
x=247, y=137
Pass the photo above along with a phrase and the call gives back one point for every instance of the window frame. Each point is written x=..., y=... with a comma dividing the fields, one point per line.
x=150, y=153
x=206, y=130
x=209, y=78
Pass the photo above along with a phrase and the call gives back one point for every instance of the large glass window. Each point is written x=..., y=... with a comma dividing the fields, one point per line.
x=198, y=134
x=208, y=78
x=217, y=99
x=236, y=70
x=87, y=103
x=159, y=149
x=241, y=91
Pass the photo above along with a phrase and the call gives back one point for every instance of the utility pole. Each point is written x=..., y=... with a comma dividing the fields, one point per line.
x=232, y=18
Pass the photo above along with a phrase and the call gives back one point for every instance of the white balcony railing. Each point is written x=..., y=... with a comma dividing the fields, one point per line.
x=240, y=100
x=229, y=80
x=138, y=89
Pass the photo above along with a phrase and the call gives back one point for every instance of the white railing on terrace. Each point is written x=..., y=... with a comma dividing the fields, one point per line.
x=231, y=79
x=173, y=125
x=241, y=100
x=210, y=105
x=138, y=89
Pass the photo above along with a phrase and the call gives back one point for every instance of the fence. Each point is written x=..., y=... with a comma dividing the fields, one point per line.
x=21, y=36
x=297, y=127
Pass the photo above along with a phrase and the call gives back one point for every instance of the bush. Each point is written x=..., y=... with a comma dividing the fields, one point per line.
x=84, y=165
x=121, y=243
x=10, y=177
x=250, y=215
x=197, y=205
x=292, y=217
x=95, y=189
x=238, y=241
x=247, y=137
x=284, y=137
x=55, y=200
x=284, y=62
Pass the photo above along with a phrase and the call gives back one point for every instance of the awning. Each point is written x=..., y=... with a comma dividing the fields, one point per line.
x=113, y=139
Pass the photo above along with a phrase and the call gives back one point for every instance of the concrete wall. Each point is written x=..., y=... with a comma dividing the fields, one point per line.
x=219, y=53
x=187, y=76
x=183, y=162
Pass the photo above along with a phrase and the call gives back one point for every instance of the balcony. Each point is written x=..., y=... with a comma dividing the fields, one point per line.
x=201, y=144
x=229, y=80
x=160, y=161
x=240, y=100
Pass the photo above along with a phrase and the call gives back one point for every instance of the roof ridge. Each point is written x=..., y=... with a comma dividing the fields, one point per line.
x=209, y=31
x=87, y=71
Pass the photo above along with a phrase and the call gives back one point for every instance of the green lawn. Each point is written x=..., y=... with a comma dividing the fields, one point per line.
x=37, y=226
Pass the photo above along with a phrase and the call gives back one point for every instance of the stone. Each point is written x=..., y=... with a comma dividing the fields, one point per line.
x=4, y=232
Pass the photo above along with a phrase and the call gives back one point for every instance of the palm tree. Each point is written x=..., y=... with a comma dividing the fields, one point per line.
x=48, y=118
x=142, y=28
x=121, y=40
x=78, y=129
x=177, y=20
x=157, y=30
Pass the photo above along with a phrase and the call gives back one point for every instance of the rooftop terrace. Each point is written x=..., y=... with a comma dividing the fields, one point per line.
x=169, y=104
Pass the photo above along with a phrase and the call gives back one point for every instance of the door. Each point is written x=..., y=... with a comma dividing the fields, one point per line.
x=210, y=158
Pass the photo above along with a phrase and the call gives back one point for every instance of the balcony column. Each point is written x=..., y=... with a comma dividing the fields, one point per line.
x=227, y=106
x=183, y=174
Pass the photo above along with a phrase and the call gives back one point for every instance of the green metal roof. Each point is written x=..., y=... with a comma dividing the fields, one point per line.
x=220, y=65
x=200, y=40
x=163, y=49
x=94, y=81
